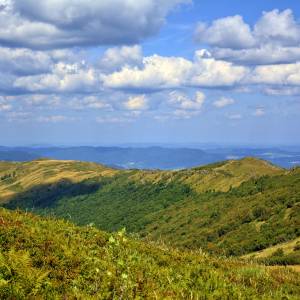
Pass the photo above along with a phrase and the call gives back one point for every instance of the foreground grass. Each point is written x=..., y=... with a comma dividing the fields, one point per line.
x=51, y=259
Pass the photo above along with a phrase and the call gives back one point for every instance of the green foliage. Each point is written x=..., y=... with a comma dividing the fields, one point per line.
x=229, y=208
x=279, y=257
x=44, y=196
x=52, y=259
x=256, y=215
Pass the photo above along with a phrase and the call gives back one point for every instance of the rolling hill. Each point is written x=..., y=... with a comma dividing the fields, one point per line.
x=44, y=258
x=231, y=207
x=16, y=177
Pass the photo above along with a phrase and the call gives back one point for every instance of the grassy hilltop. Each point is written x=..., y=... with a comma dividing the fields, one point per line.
x=42, y=258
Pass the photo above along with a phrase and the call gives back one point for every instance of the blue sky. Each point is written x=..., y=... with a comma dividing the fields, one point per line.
x=112, y=72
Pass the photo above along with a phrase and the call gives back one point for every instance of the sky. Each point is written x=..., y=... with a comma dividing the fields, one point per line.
x=99, y=72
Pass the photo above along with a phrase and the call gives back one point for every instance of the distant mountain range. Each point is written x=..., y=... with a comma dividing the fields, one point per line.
x=151, y=157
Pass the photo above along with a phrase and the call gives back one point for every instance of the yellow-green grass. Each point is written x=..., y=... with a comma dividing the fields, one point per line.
x=44, y=258
x=287, y=247
x=18, y=177
x=220, y=177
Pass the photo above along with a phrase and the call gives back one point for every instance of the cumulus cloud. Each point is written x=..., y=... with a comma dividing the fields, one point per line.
x=64, y=77
x=121, y=68
x=184, y=114
x=230, y=32
x=277, y=26
x=24, y=62
x=182, y=102
x=4, y=105
x=67, y=23
x=113, y=119
x=54, y=119
x=19, y=116
x=259, y=112
x=210, y=72
x=275, y=38
x=89, y=102
x=41, y=100
x=263, y=54
x=159, y=72
x=137, y=103
x=282, y=91
x=236, y=116
x=116, y=57
x=223, y=101
x=282, y=74
x=122, y=80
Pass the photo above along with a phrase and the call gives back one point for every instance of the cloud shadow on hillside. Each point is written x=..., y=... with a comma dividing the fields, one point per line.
x=47, y=195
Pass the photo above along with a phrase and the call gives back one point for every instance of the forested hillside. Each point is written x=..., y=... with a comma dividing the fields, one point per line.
x=43, y=258
x=232, y=207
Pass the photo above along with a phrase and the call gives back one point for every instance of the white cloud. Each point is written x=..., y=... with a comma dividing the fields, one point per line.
x=89, y=102
x=42, y=100
x=5, y=104
x=5, y=107
x=67, y=23
x=178, y=114
x=137, y=103
x=54, y=119
x=223, y=101
x=209, y=72
x=160, y=72
x=235, y=116
x=114, y=119
x=184, y=114
x=183, y=102
x=282, y=91
x=259, y=112
x=229, y=32
x=232, y=32
x=18, y=116
x=275, y=38
x=64, y=78
x=24, y=61
x=117, y=57
x=283, y=74
x=263, y=54
x=279, y=27
x=157, y=73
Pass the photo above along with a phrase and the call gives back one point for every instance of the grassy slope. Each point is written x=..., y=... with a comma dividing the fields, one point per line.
x=222, y=207
x=16, y=177
x=50, y=259
x=287, y=254
x=256, y=215
x=287, y=247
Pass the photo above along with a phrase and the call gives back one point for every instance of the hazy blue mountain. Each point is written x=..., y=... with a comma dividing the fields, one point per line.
x=16, y=155
x=153, y=157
